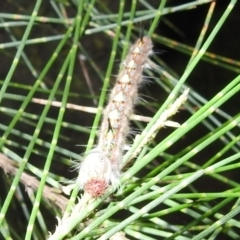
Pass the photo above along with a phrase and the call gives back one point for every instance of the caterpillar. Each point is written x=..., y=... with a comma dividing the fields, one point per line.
x=101, y=167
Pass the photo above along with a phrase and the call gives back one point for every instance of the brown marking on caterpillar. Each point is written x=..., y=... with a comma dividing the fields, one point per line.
x=95, y=187
x=102, y=167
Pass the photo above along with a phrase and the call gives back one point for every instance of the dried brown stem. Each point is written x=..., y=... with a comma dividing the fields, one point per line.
x=32, y=184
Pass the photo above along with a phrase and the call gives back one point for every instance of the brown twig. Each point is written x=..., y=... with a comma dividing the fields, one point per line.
x=32, y=184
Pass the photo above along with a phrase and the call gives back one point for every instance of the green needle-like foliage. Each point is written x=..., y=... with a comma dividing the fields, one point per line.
x=58, y=62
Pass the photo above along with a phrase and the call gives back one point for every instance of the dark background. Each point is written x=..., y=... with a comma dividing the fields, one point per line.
x=206, y=79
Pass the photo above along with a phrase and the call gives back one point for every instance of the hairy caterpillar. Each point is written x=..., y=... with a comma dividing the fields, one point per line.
x=101, y=166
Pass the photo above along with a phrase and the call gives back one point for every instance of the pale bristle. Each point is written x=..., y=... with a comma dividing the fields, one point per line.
x=103, y=166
